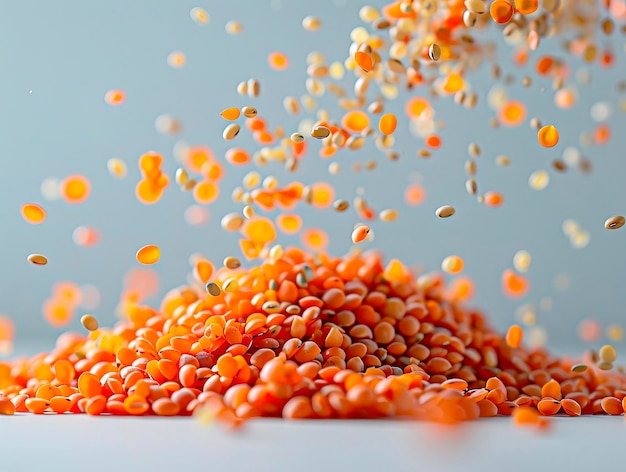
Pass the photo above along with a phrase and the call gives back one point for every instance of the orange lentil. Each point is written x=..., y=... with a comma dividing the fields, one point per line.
x=364, y=60
x=19, y=402
x=89, y=385
x=314, y=239
x=115, y=97
x=259, y=229
x=612, y=406
x=602, y=134
x=33, y=213
x=501, y=11
x=571, y=407
x=493, y=199
x=565, y=98
x=514, y=336
x=549, y=406
x=289, y=223
x=299, y=407
x=512, y=113
x=308, y=352
x=453, y=83
x=37, y=405
x=525, y=416
x=230, y=114
x=355, y=121
x=57, y=312
x=149, y=254
x=148, y=192
x=514, y=285
x=205, y=192
x=461, y=289
x=278, y=61
x=433, y=141
x=75, y=189
x=60, y=404
x=237, y=156
x=551, y=389
x=203, y=270
x=6, y=406
x=176, y=59
x=438, y=365
x=323, y=195
x=86, y=236
x=165, y=407
x=487, y=408
x=415, y=106
x=548, y=136
x=452, y=264
x=360, y=233
x=414, y=194
x=227, y=366
x=533, y=40
x=526, y=7
x=387, y=123
x=95, y=405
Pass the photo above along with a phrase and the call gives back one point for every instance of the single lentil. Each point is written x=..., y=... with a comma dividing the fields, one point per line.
x=37, y=259
x=445, y=211
x=615, y=222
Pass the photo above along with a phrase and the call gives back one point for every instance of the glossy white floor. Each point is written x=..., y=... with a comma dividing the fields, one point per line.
x=80, y=443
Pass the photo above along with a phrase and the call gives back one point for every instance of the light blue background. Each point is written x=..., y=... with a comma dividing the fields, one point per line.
x=69, y=53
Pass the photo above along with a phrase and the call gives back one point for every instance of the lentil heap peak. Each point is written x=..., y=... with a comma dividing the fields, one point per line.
x=304, y=334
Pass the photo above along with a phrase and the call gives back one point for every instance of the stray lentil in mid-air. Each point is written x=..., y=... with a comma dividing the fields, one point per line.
x=37, y=259
x=445, y=211
x=89, y=322
x=615, y=222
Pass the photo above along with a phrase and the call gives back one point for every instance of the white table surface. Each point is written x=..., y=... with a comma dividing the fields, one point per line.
x=82, y=443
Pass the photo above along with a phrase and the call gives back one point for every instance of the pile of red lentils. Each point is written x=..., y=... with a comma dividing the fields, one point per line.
x=299, y=333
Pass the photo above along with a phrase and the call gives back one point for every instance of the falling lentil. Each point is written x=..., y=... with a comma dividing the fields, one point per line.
x=296, y=137
x=117, y=168
x=249, y=112
x=37, y=259
x=452, y=264
x=548, y=136
x=387, y=124
x=445, y=211
x=388, y=215
x=213, y=289
x=607, y=354
x=615, y=222
x=231, y=131
x=360, y=233
x=320, y=132
x=232, y=262
x=522, y=260
x=434, y=52
x=33, y=213
x=311, y=23
x=148, y=255
x=89, y=322
x=514, y=336
x=233, y=27
x=230, y=114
